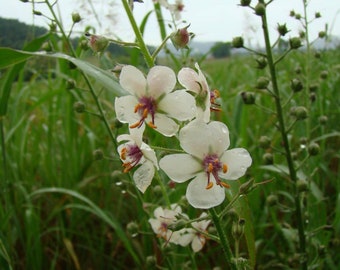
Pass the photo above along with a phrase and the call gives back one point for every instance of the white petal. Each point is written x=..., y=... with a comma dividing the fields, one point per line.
x=143, y=175
x=180, y=167
x=201, y=225
x=158, y=212
x=237, y=160
x=136, y=135
x=179, y=105
x=149, y=154
x=197, y=243
x=165, y=125
x=124, y=107
x=161, y=80
x=183, y=237
x=189, y=79
x=133, y=80
x=155, y=224
x=200, y=197
x=199, y=139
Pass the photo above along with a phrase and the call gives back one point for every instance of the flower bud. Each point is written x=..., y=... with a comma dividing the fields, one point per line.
x=303, y=140
x=323, y=119
x=98, y=154
x=300, y=113
x=262, y=83
x=324, y=74
x=84, y=44
x=150, y=262
x=132, y=228
x=272, y=200
x=297, y=16
x=46, y=46
x=237, y=42
x=317, y=55
x=282, y=29
x=248, y=97
x=237, y=229
x=178, y=225
x=53, y=27
x=313, y=149
x=301, y=185
x=268, y=158
x=313, y=87
x=292, y=13
x=247, y=187
x=322, y=34
x=157, y=190
x=261, y=62
x=302, y=34
x=180, y=38
x=296, y=85
x=232, y=214
x=295, y=43
x=117, y=70
x=76, y=17
x=264, y=142
x=260, y=9
x=97, y=43
x=245, y=3
x=298, y=70
x=70, y=84
x=24, y=1
x=317, y=15
x=79, y=107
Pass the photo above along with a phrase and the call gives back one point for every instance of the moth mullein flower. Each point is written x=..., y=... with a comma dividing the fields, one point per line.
x=163, y=219
x=153, y=101
x=206, y=162
x=196, y=82
x=135, y=153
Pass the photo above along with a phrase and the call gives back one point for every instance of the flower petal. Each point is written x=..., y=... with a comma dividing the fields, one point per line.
x=165, y=125
x=143, y=175
x=149, y=154
x=199, y=139
x=124, y=107
x=161, y=80
x=183, y=237
x=155, y=224
x=200, y=197
x=180, y=167
x=198, y=243
x=189, y=79
x=179, y=105
x=237, y=160
x=133, y=80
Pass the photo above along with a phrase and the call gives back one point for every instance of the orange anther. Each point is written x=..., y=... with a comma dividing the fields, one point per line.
x=209, y=186
x=210, y=167
x=225, y=168
x=145, y=113
x=136, y=124
x=137, y=107
x=123, y=153
x=224, y=185
x=150, y=124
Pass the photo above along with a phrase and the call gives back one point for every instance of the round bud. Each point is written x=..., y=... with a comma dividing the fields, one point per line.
x=312, y=97
x=317, y=15
x=282, y=29
x=76, y=17
x=323, y=119
x=295, y=43
x=324, y=74
x=322, y=34
x=313, y=87
x=262, y=83
x=46, y=46
x=313, y=149
x=180, y=38
x=246, y=187
x=297, y=16
x=260, y=9
x=36, y=12
x=296, y=85
x=298, y=70
x=132, y=228
x=268, y=158
x=53, y=27
x=98, y=154
x=70, y=84
x=272, y=200
x=248, y=97
x=261, y=62
x=232, y=214
x=264, y=142
x=150, y=262
x=245, y=3
x=317, y=55
x=303, y=140
x=302, y=34
x=292, y=13
x=301, y=185
x=300, y=112
x=157, y=190
x=79, y=107
x=237, y=42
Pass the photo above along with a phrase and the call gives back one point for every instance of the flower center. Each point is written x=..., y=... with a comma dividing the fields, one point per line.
x=214, y=94
x=145, y=106
x=132, y=155
x=212, y=166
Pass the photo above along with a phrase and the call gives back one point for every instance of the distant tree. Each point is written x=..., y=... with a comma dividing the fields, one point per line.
x=221, y=49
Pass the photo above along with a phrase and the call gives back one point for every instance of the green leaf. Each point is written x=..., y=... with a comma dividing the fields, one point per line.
x=105, y=78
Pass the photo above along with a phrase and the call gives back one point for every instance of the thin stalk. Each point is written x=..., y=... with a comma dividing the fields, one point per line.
x=223, y=239
x=284, y=136
x=142, y=46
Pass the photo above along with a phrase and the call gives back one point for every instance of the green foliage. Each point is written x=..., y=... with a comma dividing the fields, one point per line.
x=221, y=49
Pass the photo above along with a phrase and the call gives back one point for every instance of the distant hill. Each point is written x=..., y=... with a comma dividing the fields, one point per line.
x=15, y=34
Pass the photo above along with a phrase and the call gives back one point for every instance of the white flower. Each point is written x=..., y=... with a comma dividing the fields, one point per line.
x=196, y=82
x=207, y=162
x=163, y=219
x=194, y=236
x=153, y=100
x=135, y=152
x=175, y=8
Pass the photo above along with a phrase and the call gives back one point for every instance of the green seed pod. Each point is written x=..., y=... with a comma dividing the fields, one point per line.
x=98, y=154
x=264, y=142
x=260, y=9
x=248, y=97
x=301, y=113
x=296, y=85
x=268, y=158
x=298, y=16
x=282, y=29
x=245, y=3
x=180, y=38
x=76, y=17
x=132, y=228
x=157, y=190
x=246, y=187
x=323, y=119
x=261, y=62
x=79, y=107
x=301, y=185
x=317, y=15
x=322, y=34
x=324, y=74
x=272, y=200
x=313, y=87
x=232, y=214
x=262, y=83
x=70, y=84
x=313, y=149
x=237, y=42
x=295, y=43
x=292, y=13
x=36, y=12
x=150, y=262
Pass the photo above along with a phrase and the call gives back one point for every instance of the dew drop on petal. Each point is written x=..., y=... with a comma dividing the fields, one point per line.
x=224, y=130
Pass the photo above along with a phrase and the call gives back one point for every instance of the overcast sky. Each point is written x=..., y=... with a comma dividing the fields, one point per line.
x=214, y=20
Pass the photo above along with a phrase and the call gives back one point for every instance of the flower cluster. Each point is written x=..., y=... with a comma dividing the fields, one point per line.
x=165, y=218
x=153, y=102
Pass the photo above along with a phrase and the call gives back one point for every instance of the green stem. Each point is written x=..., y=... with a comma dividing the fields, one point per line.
x=142, y=46
x=223, y=239
x=284, y=136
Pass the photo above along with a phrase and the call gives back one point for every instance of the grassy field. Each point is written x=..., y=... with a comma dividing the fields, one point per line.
x=65, y=203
